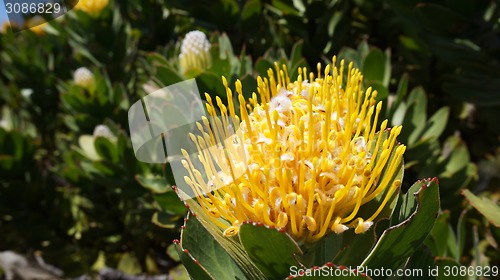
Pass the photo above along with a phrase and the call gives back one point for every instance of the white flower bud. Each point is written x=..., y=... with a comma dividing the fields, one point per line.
x=195, y=51
x=83, y=77
x=104, y=131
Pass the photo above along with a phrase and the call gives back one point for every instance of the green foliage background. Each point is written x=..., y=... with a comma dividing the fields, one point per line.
x=85, y=201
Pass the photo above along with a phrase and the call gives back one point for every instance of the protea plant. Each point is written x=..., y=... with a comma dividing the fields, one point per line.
x=301, y=180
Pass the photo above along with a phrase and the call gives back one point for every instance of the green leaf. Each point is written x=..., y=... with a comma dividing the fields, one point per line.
x=245, y=67
x=172, y=253
x=436, y=124
x=442, y=239
x=333, y=23
x=461, y=231
x=388, y=68
x=86, y=143
x=299, y=5
x=399, y=114
x=230, y=245
x=249, y=84
x=250, y=14
x=195, y=270
x=324, y=250
x=351, y=55
x=209, y=82
x=105, y=149
x=382, y=91
x=225, y=47
x=272, y=251
x=485, y=206
x=156, y=184
x=417, y=211
x=357, y=247
x=285, y=8
x=250, y=9
x=164, y=220
x=415, y=117
x=421, y=260
x=401, y=92
x=262, y=65
x=170, y=203
x=374, y=66
x=221, y=65
x=458, y=156
x=196, y=239
x=129, y=264
x=156, y=59
x=296, y=55
x=166, y=76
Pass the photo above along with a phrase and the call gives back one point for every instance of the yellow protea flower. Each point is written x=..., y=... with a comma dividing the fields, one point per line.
x=36, y=24
x=92, y=7
x=5, y=26
x=301, y=159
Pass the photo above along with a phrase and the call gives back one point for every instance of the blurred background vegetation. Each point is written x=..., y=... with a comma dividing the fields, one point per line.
x=77, y=196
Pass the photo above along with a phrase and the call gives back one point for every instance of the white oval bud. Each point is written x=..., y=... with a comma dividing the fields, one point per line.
x=195, y=51
x=83, y=77
x=104, y=131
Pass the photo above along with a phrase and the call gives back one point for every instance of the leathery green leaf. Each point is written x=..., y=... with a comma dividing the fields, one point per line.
x=418, y=210
x=374, y=66
x=231, y=245
x=324, y=250
x=195, y=270
x=272, y=251
x=485, y=206
x=436, y=124
x=419, y=262
x=156, y=184
x=442, y=240
x=164, y=220
x=205, y=249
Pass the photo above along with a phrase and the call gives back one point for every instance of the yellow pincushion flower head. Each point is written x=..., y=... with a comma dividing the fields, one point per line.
x=5, y=26
x=308, y=155
x=36, y=24
x=92, y=7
